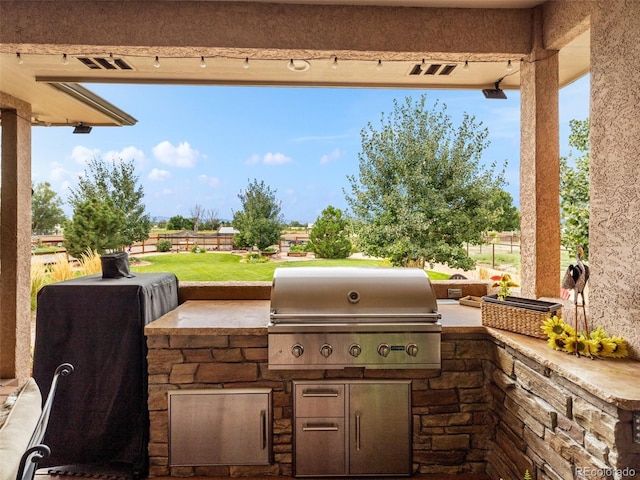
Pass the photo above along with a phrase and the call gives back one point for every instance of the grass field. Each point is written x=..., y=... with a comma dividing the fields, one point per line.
x=204, y=267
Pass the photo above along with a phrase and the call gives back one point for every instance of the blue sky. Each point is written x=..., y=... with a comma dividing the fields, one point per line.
x=203, y=145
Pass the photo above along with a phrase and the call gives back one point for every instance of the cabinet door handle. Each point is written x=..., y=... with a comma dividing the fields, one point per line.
x=263, y=429
x=358, y=432
x=320, y=393
x=320, y=427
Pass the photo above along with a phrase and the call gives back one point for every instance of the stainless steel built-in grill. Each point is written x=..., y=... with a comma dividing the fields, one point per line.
x=337, y=317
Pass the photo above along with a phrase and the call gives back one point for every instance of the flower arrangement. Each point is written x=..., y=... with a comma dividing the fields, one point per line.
x=505, y=283
x=563, y=337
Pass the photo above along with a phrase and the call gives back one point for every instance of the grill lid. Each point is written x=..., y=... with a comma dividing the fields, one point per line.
x=352, y=294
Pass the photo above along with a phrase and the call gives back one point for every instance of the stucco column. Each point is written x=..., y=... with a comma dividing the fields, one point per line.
x=540, y=170
x=614, y=230
x=15, y=240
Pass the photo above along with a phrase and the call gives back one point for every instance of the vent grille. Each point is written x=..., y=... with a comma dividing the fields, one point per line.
x=101, y=63
x=432, y=69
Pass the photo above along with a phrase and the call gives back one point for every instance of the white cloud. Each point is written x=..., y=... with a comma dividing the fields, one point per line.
x=81, y=155
x=269, y=159
x=211, y=181
x=276, y=159
x=255, y=158
x=329, y=157
x=58, y=172
x=181, y=156
x=127, y=154
x=158, y=175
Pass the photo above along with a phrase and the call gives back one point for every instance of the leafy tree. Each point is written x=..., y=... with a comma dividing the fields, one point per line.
x=574, y=190
x=329, y=237
x=508, y=215
x=114, y=186
x=178, y=222
x=421, y=193
x=46, y=209
x=259, y=222
x=96, y=224
x=296, y=224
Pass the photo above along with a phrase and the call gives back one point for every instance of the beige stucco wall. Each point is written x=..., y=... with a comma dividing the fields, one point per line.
x=614, y=236
x=15, y=241
x=539, y=170
x=262, y=29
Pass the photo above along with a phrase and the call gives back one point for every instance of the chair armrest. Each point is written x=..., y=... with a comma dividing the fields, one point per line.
x=36, y=451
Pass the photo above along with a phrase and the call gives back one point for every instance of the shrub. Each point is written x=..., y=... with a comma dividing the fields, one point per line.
x=197, y=249
x=90, y=262
x=61, y=269
x=39, y=279
x=163, y=245
x=256, y=258
x=298, y=248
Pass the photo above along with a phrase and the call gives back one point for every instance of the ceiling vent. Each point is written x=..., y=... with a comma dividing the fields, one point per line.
x=100, y=63
x=432, y=69
x=447, y=69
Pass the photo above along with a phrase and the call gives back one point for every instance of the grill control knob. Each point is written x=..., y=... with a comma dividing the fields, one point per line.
x=297, y=350
x=355, y=350
x=383, y=349
x=326, y=350
x=412, y=350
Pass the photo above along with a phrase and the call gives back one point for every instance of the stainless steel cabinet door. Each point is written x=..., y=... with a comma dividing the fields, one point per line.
x=380, y=428
x=220, y=427
x=319, y=447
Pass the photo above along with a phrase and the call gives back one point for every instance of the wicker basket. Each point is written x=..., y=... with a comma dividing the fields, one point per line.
x=519, y=315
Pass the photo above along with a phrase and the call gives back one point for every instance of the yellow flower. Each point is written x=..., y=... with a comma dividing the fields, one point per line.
x=614, y=347
x=553, y=325
x=598, y=344
x=504, y=282
x=595, y=346
x=577, y=345
x=598, y=333
x=557, y=342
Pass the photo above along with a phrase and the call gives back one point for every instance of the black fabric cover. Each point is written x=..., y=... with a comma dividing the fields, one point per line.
x=100, y=414
x=115, y=265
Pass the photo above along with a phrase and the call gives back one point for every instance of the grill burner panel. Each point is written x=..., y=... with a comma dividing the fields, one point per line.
x=338, y=317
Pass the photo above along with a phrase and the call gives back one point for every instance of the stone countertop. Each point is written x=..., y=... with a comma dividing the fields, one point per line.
x=615, y=381
x=250, y=317
x=213, y=317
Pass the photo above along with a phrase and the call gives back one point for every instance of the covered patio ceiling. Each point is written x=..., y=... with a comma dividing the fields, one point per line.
x=51, y=82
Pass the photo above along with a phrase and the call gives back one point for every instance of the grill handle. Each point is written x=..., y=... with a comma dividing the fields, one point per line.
x=263, y=429
x=320, y=427
x=320, y=392
x=275, y=316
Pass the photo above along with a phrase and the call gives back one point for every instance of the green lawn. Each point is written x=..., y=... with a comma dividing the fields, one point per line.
x=226, y=267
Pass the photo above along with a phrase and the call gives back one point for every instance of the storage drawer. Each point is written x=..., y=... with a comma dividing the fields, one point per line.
x=324, y=435
x=313, y=400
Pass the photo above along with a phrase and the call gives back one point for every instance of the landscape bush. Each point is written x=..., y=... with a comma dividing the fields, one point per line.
x=90, y=262
x=39, y=279
x=163, y=245
x=197, y=249
x=256, y=258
